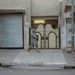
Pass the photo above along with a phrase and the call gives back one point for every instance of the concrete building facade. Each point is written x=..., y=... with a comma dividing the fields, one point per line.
x=48, y=10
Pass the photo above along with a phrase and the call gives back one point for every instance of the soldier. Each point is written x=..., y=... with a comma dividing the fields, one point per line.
x=34, y=39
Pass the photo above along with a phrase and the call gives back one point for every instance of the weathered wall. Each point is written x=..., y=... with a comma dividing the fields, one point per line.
x=19, y=4
x=63, y=35
x=67, y=25
x=12, y=4
x=64, y=26
x=69, y=2
x=45, y=7
x=37, y=8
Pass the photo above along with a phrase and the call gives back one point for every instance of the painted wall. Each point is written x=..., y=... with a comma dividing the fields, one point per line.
x=19, y=4
x=63, y=36
x=45, y=7
x=68, y=34
x=63, y=23
x=37, y=8
x=69, y=2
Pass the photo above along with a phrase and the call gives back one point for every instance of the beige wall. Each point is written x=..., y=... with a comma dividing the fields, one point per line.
x=45, y=7
x=69, y=2
x=19, y=4
x=35, y=8
x=12, y=4
x=63, y=7
x=66, y=15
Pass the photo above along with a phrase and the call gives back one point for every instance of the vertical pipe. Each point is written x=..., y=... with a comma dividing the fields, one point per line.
x=60, y=9
x=60, y=27
x=72, y=25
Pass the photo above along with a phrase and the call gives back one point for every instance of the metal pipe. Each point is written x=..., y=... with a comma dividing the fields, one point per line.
x=72, y=25
x=60, y=9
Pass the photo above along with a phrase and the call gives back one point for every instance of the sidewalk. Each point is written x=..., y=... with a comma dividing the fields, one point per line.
x=7, y=56
x=46, y=58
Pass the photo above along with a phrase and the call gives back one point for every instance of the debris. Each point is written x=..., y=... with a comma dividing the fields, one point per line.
x=69, y=67
x=4, y=65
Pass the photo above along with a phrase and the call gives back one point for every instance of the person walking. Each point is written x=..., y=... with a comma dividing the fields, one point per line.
x=34, y=40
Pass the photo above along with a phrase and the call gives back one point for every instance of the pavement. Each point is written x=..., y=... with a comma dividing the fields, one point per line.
x=7, y=56
x=47, y=58
x=9, y=71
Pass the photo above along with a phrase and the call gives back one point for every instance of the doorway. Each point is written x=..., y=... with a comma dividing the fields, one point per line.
x=49, y=34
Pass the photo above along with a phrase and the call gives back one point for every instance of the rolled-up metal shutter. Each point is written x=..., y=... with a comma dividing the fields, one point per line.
x=11, y=31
